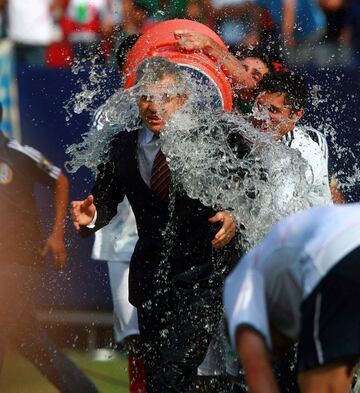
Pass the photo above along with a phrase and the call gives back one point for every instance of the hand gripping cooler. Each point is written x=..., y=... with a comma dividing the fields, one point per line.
x=159, y=40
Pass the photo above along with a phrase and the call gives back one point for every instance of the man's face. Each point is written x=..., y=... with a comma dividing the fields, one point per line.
x=158, y=103
x=252, y=71
x=272, y=114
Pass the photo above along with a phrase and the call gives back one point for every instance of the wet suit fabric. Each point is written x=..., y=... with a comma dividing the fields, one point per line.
x=176, y=277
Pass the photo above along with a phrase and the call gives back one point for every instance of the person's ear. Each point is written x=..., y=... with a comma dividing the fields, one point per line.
x=296, y=116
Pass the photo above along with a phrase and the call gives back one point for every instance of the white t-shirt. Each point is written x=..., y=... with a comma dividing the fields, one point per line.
x=315, y=151
x=271, y=281
x=30, y=22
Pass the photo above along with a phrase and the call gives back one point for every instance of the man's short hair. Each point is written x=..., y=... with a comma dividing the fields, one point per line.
x=292, y=85
x=155, y=69
x=256, y=53
x=124, y=48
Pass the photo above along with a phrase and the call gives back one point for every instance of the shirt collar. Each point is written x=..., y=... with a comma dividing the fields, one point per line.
x=145, y=135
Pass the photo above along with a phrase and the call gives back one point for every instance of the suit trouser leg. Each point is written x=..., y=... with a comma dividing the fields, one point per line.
x=176, y=343
x=153, y=321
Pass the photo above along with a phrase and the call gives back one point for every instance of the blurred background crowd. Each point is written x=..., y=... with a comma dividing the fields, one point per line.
x=49, y=39
x=55, y=32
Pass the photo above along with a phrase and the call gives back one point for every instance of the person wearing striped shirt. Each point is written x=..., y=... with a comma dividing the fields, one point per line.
x=22, y=250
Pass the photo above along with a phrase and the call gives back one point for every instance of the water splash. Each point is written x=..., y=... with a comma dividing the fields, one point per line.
x=201, y=143
x=119, y=113
x=267, y=184
x=90, y=89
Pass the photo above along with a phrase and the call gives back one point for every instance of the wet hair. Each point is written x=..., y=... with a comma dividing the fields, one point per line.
x=256, y=53
x=155, y=69
x=292, y=85
x=124, y=48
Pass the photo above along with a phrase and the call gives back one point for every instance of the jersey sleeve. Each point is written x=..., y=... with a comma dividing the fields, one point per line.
x=44, y=171
x=245, y=302
x=39, y=167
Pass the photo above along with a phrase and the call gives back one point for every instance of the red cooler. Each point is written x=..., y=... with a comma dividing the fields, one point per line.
x=159, y=40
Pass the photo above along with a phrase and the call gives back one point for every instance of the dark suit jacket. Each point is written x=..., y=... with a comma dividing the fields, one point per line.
x=180, y=256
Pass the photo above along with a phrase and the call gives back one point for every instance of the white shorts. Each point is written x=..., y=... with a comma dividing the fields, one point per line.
x=125, y=314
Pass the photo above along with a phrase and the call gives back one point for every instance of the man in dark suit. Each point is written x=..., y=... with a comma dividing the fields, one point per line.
x=177, y=270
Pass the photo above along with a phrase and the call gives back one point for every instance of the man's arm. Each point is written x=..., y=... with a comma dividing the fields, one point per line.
x=336, y=194
x=83, y=212
x=191, y=40
x=107, y=193
x=55, y=242
x=255, y=360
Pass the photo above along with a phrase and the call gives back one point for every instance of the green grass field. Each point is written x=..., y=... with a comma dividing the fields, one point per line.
x=19, y=376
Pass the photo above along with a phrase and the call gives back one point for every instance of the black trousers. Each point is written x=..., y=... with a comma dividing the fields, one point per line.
x=175, y=331
x=20, y=329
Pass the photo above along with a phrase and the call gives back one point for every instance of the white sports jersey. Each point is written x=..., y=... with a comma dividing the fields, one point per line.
x=37, y=157
x=272, y=280
x=313, y=148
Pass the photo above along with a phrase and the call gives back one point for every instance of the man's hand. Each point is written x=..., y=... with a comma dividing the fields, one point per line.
x=83, y=212
x=191, y=40
x=55, y=244
x=227, y=230
x=255, y=359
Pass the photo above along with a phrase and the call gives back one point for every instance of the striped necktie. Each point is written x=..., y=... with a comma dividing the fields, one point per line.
x=160, y=177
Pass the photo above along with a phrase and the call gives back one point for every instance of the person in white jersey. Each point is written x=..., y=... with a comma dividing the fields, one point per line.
x=301, y=283
x=279, y=106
